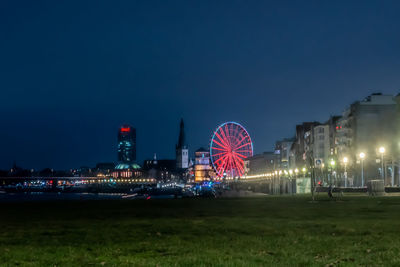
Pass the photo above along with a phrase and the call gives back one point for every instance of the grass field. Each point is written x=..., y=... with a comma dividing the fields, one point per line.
x=247, y=232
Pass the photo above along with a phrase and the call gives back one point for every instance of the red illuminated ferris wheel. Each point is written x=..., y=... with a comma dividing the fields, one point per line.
x=230, y=145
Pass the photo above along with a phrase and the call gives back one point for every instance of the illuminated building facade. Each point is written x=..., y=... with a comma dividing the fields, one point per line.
x=202, y=167
x=126, y=144
x=321, y=145
x=364, y=126
x=124, y=170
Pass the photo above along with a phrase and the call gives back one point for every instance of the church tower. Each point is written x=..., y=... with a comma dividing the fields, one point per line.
x=182, y=151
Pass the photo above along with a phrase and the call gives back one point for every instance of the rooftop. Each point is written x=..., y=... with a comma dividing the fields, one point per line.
x=126, y=166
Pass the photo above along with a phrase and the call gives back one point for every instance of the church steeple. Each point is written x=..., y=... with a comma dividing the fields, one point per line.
x=181, y=141
x=182, y=151
x=155, y=159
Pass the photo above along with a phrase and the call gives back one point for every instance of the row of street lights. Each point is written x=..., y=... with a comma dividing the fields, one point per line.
x=362, y=157
x=345, y=160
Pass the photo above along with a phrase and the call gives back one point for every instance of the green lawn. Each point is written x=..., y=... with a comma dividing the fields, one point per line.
x=248, y=231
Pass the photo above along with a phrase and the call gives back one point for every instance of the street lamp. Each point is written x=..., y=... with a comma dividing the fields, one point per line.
x=362, y=156
x=382, y=151
x=345, y=160
x=332, y=163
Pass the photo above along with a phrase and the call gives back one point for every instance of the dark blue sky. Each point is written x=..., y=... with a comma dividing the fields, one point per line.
x=71, y=72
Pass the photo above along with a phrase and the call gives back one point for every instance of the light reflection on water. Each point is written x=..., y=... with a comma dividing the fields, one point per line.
x=50, y=196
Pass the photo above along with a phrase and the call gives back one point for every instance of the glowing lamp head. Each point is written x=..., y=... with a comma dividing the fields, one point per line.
x=304, y=169
x=381, y=150
x=362, y=155
x=332, y=163
x=296, y=170
x=125, y=129
x=345, y=160
x=290, y=171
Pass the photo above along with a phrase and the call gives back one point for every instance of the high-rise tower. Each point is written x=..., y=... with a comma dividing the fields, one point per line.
x=182, y=151
x=126, y=144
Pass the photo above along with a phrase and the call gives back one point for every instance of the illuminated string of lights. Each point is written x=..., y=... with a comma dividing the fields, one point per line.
x=277, y=173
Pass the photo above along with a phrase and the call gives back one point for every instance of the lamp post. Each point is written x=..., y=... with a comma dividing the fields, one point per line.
x=362, y=156
x=332, y=170
x=293, y=181
x=279, y=182
x=345, y=160
x=382, y=151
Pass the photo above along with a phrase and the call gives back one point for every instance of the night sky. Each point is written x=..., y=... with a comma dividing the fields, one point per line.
x=72, y=72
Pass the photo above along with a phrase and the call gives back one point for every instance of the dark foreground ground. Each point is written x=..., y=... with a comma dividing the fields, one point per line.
x=246, y=231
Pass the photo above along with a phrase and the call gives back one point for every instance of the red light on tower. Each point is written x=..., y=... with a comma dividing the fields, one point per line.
x=125, y=129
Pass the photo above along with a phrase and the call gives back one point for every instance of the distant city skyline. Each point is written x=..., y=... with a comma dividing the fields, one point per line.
x=71, y=74
x=169, y=155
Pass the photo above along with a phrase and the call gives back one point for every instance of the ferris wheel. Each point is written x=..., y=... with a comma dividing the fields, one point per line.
x=230, y=145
